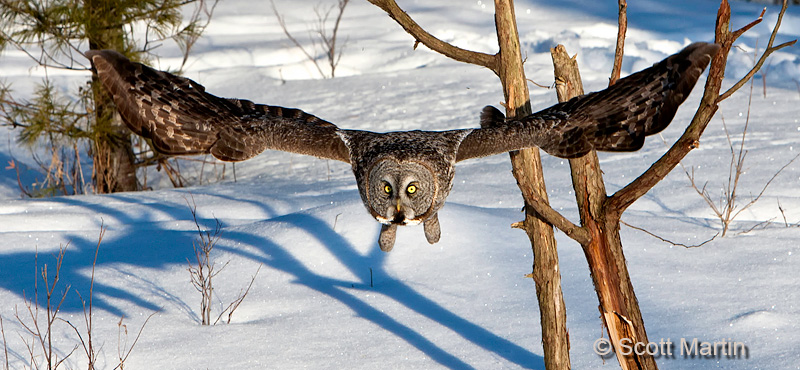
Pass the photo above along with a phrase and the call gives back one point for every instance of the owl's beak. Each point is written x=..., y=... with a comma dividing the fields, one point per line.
x=400, y=217
x=399, y=214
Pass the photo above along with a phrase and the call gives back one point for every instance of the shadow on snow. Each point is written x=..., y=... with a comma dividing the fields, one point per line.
x=160, y=248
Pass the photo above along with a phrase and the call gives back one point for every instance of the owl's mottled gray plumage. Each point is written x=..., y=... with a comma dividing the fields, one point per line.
x=403, y=177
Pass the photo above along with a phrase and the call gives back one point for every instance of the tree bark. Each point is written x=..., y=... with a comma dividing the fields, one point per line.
x=619, y=308
x=527, y=169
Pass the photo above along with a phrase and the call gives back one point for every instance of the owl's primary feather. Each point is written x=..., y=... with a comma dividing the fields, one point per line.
x=181, y=118
x=615, y=119
x=403, y=177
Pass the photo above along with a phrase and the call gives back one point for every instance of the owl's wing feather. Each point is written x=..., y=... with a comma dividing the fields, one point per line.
x=615, y=119
x=181, y=118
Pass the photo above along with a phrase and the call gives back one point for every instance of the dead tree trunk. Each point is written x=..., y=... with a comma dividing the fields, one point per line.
x=600, y=214
x=527, y=169
x=618, y=306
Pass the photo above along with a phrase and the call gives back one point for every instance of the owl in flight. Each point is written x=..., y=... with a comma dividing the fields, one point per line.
x=403, y=177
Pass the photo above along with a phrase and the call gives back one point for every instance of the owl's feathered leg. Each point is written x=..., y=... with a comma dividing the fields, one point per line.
x=432, y=229
x=387, y=237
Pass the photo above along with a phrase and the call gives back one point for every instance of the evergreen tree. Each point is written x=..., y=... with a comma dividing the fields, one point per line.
x=53, y=33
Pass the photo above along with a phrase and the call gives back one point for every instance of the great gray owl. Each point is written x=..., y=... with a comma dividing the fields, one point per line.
x=403, y=177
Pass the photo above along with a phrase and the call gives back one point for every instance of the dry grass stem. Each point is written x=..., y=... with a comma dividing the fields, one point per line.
x=726, y=208
x=204, y=269
x=5, y=343
x=42, y=337
x=123, y=350
x=235, y=304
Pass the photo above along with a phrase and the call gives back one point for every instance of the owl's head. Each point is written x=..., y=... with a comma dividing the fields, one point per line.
x=403, y=177
x=401, y=192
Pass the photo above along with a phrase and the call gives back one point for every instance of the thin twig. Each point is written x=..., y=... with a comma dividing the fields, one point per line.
x=540, y=85
x=135, y=340
x=13, y=165
x=754, y=200
x=204, y=270
x=235, y=304
x=783, y=214
x=190, y=38
x=761, y=225
x=668, y=241
x=91, y=352
x=285, y=29
x=764, y=73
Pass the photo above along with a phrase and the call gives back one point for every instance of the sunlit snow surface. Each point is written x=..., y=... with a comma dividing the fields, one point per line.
x=327, y=297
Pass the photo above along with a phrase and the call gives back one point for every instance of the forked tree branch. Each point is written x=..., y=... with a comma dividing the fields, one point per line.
x=553, y=217
x=709, y=104
x=764, y=56
x=421, y=36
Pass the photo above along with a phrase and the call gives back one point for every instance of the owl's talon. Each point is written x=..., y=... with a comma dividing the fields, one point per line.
x=432, y=229
x=387, y=237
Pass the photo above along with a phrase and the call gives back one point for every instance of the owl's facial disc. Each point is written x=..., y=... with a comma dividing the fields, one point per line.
x=400, y=193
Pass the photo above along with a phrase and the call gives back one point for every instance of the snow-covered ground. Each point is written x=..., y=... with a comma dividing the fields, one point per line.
x=327, y=297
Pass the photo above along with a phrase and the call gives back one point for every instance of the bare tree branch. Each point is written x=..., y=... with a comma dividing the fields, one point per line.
x=709, y=104
x=320, y=37
x=330, y=42
x=552, y=217
x=621, y=30
x=764, y=56
x=282, y=22
x=421, y=36
x=195, y=29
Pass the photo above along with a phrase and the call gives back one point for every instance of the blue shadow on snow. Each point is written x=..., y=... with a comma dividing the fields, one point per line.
x=167, y=248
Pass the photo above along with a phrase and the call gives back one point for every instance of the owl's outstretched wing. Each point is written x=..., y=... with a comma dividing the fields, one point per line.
x=181, y=118
x=615, y=119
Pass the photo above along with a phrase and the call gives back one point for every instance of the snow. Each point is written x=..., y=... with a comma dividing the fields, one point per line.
x=327, y=297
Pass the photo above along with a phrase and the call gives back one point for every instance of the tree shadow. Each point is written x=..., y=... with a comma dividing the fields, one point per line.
x=154, y=244
x=280, y=259
x=162, y=248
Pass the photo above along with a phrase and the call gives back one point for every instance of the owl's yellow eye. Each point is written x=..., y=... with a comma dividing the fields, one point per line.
x=387, y=189
x=411, y=189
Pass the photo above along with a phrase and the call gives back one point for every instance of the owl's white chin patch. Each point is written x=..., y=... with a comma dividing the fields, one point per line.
x=405, y=222
x=411, y=222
